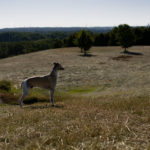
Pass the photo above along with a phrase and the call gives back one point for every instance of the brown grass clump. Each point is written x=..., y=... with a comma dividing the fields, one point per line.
x=8, y=98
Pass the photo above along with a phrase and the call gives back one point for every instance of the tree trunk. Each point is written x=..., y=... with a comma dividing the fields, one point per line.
x=81, y=50
x=125, y=50
x=85, y=54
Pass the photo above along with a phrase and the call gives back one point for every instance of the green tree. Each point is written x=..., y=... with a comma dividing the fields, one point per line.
x=84, y=40
x=101, y=39
x=125, y=36
x=112, y=37
x=69, y=41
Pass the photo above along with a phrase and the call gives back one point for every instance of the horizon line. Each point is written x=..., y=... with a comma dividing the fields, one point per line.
x=70, y=26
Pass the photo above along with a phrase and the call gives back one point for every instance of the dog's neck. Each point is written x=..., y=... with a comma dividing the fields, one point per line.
x=54, y=72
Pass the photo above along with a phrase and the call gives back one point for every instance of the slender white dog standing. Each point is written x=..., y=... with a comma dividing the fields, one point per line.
x=47, y=82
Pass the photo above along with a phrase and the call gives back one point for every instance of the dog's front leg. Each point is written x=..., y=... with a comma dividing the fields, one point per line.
x=52, y=97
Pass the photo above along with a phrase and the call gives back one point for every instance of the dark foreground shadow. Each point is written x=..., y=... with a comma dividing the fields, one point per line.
x=132, y=53
x=59, y=106
x=34, y=100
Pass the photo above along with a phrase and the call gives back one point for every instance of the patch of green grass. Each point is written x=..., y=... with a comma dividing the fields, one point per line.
x=39, y=92
x=15, y=89
x=3, y=105
x=80, y=90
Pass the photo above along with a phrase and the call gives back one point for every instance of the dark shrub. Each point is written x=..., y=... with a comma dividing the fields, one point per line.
x=5, y=85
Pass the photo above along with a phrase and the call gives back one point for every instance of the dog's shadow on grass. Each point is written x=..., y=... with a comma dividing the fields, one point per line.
x=44, y=107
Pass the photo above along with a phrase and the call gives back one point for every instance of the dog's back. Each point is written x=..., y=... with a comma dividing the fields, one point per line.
x=47, y=82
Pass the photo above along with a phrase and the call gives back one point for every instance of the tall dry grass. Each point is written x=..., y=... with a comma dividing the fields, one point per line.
x=77, y=123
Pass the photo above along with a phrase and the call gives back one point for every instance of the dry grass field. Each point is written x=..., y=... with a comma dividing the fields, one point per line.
x=102, y=101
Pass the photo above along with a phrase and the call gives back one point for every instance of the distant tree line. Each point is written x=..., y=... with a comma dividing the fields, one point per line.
x=141, y=36
x=123, y=35
x=30, y=36
x=15, y=43
x=11, y=49
x=57, y=29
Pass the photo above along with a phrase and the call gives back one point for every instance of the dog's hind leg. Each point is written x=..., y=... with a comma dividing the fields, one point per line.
x=25, y=90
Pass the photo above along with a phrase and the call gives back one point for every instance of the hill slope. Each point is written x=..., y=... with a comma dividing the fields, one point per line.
x=102, y=102
x=130, y=75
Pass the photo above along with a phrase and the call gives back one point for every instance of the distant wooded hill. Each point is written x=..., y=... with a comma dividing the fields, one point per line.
x=57, y=29
x=15, y=41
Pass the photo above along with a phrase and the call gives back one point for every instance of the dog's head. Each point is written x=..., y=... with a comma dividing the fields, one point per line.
x=58, y=66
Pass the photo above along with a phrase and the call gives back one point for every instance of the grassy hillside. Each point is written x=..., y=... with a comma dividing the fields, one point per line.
x=106, y=71
x=102, y=102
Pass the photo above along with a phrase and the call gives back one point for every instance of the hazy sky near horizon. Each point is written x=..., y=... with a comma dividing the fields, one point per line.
x=70, y=13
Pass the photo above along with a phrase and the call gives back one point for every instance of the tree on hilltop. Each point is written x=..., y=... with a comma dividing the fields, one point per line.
x=125, y=36
x=84, y=41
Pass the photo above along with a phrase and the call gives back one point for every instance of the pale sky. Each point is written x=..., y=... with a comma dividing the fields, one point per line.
x=73, y=13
